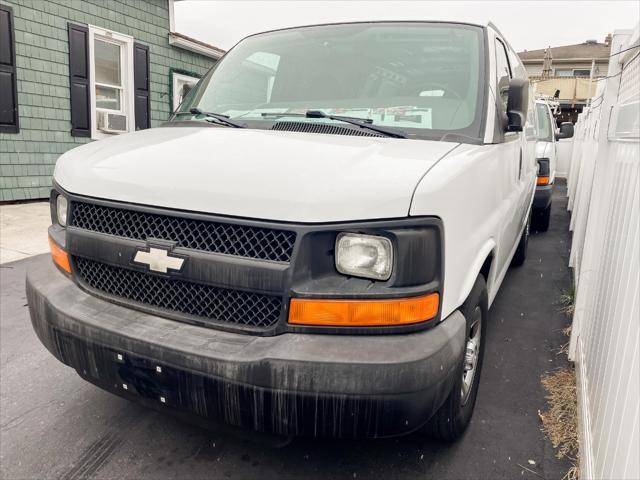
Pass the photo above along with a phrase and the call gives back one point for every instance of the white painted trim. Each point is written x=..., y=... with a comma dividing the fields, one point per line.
x=181, y=42
x=126, y=41
x=172, y=17
x=175, y=78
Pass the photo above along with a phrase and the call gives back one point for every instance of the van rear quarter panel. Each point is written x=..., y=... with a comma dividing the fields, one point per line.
x=472, y=191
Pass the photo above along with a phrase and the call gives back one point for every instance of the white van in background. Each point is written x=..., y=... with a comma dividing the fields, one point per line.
x=547, y=158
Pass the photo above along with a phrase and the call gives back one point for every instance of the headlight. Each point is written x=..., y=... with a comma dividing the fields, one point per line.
x=365, y=256
x=61, y=210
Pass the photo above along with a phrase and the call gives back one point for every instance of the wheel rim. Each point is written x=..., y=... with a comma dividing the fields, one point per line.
x=471, y=355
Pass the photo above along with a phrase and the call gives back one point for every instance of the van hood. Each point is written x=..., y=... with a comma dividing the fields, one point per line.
x=262, y=174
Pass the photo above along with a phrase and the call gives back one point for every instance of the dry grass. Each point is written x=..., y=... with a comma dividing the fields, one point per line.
x=564, y=348
x=560, y=421
x=567, y=302
x=572, y=474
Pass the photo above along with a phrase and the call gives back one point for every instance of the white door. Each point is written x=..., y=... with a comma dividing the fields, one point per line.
x=510, y=151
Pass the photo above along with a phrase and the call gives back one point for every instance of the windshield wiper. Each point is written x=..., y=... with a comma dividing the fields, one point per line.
x=276, y=114
x=360, y=122
x=219, y=118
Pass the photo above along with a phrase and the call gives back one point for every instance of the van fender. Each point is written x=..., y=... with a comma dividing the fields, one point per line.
x=487, y=248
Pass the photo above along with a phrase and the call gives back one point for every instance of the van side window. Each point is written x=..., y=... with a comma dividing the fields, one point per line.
x=504, y=74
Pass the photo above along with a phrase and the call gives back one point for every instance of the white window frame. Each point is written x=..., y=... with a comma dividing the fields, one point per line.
x=127, y=97
x=560, y=69
x=175, y=78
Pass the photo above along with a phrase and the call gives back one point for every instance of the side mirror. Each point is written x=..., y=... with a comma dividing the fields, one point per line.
x=566, y=130
x=517, y=104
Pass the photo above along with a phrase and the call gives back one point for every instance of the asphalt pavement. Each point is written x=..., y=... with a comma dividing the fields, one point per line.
x=55, y=425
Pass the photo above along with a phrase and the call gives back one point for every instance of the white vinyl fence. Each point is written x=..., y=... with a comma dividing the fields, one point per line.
x=604, y=199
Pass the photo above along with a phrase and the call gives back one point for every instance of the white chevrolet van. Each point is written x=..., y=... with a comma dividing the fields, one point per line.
x=547, y=158
x=311, y=244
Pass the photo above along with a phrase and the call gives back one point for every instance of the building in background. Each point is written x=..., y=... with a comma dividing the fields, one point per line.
x=73, y=71
x=570, y=73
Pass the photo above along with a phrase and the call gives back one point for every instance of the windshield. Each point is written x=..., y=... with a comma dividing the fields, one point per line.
x=545, y=130
x=423, y=79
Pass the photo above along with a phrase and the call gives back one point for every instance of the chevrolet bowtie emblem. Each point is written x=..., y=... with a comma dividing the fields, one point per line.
x=158, y=260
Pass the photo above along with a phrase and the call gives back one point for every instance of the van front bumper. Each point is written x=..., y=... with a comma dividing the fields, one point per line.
x=542, y=197
x=291, y=384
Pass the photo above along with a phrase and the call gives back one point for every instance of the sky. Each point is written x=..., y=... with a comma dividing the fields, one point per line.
x=526, y=24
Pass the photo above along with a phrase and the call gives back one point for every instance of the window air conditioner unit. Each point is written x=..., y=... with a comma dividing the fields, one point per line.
x=111, y=122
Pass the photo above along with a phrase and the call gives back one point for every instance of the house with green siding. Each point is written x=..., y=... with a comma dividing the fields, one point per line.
x=75, y=71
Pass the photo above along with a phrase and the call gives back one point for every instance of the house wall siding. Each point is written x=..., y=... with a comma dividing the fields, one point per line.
x=27, y=158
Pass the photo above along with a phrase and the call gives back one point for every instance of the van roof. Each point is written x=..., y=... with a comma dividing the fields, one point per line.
x=475, y=24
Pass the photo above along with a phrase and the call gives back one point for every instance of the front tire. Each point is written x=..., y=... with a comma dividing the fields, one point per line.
x=454, y=416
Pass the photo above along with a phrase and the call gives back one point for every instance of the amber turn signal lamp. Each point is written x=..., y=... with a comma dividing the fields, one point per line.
x=363, y=313
x=59, y=256
x=543, y=180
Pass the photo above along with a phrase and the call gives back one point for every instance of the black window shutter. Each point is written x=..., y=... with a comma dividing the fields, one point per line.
x=9, y=122
x=79, y=80
x=141, y=84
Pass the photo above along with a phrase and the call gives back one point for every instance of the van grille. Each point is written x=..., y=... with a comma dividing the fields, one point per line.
x=210, y=236
x=203, y=303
